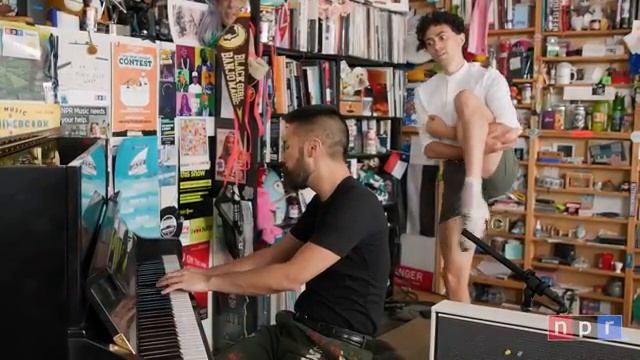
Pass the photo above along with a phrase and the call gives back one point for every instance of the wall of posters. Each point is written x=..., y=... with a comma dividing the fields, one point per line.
x=134, y=88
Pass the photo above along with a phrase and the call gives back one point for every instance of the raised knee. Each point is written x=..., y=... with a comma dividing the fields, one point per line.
x=464, y=102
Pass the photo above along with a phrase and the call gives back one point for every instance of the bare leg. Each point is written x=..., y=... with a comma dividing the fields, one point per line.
x=457, y=264
x=473, y=126
x=474, y=118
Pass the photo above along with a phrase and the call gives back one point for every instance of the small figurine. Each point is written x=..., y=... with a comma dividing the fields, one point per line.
x=89, y=16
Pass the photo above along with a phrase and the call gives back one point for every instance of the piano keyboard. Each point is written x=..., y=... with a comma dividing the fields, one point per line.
x=167, y=325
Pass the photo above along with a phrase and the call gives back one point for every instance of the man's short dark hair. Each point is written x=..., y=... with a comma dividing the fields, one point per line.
x=325, y=122
x=435, y=18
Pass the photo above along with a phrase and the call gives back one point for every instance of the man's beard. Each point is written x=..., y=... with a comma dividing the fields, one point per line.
x=297, y=177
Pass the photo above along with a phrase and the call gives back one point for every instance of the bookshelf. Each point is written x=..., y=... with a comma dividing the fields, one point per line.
x=308, y=66
x=590, y=281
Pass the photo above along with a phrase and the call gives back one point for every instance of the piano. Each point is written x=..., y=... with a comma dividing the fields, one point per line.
x=81, y=285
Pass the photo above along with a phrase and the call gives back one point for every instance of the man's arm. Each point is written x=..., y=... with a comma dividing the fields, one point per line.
x=440, y=150
x=278, y=253
x=306, y=264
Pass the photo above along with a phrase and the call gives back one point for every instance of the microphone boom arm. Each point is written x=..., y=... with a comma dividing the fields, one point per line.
x=534, y=285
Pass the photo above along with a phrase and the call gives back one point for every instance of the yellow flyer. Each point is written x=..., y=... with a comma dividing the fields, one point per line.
x=17, y=118
x=134, y=88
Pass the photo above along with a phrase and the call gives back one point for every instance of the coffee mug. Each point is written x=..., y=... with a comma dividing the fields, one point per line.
x=565, y=73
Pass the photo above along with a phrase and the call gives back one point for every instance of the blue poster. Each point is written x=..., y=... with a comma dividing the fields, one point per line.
x=136, y=177
x=93, y=175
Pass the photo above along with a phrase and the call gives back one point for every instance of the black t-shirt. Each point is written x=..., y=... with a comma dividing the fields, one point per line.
x=351, y=223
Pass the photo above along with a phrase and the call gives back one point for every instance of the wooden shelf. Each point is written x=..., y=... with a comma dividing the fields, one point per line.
x=523, y=106
x=589, y=270
x=584, y=192
x=410, y=130
x=507, y=211
x=584, y=166
x=584, y=134
x=553, y=240
x=598, y=296
x=490, y=258
x=587, y=33
x=521, y=81
x=508, y=236
x=488, y=280
x=587, y=59
x=581, y=218
x=510, y=32
x=617, y=86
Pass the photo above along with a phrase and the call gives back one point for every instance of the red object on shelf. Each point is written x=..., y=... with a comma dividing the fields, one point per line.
x=503, y=57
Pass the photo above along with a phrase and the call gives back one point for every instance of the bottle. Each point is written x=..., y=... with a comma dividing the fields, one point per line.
x=617, y=113
x=600, y=115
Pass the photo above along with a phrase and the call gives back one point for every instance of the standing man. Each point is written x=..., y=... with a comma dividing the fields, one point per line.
x=472, y=124
x=338, y=248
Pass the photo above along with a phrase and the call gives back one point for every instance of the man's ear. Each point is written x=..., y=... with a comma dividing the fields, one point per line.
x=463, y=38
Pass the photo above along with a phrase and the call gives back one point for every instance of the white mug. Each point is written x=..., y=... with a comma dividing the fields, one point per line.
x=618, y=266
x=565, y=73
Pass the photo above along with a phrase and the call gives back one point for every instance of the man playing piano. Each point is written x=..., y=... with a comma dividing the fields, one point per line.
x=338, y=248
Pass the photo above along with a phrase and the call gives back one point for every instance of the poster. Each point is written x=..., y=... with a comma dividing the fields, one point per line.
x=24, y=63
x=188, y=20
x=225, y=139
x=170, y=219
x=195, y=81
x=134, y=88
x=19, y=118
x=195, y=197
x=93, y=176
x=233, y=50
x=84, y=121
x=197, y=256
x=84, y=80
x=136, y=177
x=167, y=83
x=194, y=143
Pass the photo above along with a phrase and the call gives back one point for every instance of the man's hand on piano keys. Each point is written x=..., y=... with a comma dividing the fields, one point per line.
x=188, y=279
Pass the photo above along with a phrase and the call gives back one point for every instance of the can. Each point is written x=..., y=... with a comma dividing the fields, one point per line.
x=579, y=117
x=525, y=92
x=559, y=117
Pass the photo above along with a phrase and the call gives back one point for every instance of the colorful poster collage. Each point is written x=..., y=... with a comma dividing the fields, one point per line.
x=195, y=81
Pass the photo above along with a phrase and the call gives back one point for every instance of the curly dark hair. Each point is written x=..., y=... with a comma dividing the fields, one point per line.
x=455, y=22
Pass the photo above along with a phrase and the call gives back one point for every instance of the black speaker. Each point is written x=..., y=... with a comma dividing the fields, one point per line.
x=565, y=252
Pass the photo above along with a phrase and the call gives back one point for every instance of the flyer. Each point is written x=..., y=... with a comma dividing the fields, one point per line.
x=194, y=143
x=25, y=63
x=19, y=118
x=134, y=88
x=225, y=139
x=84, y=121
x=84, y=80
x=136, y=177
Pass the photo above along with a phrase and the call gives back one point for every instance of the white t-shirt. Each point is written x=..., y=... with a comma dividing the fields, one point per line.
x=436, y=97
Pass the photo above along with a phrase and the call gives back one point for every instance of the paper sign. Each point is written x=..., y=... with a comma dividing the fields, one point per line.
x=22, y=118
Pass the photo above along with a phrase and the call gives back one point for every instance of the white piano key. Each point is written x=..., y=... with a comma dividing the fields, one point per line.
x=189, y=336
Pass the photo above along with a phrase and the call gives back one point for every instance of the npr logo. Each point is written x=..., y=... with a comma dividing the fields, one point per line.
x=567, y=328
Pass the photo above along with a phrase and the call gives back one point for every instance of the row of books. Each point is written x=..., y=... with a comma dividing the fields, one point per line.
x=366, y=137
x=361, y=91
x=298, y=83
x=350, y=29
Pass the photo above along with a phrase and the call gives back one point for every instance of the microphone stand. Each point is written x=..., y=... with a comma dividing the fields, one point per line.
x=534, y=285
